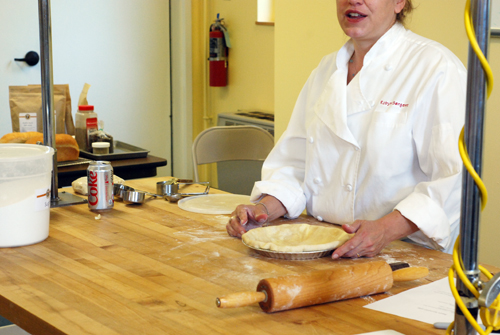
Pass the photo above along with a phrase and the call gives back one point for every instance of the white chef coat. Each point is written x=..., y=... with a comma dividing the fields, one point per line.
x=386, y=141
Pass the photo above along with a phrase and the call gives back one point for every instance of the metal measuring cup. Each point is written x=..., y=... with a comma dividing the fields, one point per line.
x=120, y=189
x=130, y=195
x=136, y=197
x=169, y=189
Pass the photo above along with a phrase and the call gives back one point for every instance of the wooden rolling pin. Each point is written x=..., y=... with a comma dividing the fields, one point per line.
x=318, y=287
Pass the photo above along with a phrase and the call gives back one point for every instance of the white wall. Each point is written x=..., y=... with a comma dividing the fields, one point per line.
x=120, y=47
x=182, y=88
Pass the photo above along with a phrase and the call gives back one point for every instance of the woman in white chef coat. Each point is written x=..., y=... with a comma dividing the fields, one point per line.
x=372, y=141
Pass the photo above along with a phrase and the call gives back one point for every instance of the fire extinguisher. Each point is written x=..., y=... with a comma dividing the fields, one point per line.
x=219, y=50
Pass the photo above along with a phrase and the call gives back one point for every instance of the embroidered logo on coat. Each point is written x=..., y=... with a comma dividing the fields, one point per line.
x=393, y=103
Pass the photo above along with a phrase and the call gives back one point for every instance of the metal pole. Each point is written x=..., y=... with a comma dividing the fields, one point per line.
x=473, y=134
x=49, y=132
x=49, y=129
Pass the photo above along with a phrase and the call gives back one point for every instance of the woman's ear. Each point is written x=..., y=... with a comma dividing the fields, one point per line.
x=399, y=5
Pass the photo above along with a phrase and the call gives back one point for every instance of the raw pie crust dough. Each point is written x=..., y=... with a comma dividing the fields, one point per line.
x=296, y=238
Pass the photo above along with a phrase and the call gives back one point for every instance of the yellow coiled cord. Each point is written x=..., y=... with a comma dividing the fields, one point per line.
x=490, y=316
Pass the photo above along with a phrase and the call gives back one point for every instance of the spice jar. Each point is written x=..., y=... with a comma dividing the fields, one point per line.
x=85, y=123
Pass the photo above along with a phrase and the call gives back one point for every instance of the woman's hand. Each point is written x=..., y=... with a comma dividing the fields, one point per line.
x=246, y=217
x=372, y=236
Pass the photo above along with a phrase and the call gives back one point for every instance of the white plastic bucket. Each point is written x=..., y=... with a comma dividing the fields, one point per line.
x=25, y=179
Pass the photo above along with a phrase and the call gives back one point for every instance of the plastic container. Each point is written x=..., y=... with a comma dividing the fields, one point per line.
x=25, y=181
x=85, y=123
x=100, y=148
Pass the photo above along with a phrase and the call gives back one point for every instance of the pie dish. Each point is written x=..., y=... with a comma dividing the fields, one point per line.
x=295, y=238
x=294, y=256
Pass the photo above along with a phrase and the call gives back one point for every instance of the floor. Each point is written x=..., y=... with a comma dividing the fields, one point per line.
x=12, y=330
x=4, y=321
x=7, y=328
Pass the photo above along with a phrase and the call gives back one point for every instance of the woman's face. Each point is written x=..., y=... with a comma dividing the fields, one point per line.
x=367, y=20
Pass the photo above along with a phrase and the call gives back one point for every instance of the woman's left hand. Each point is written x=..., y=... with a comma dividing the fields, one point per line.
x=372, y=236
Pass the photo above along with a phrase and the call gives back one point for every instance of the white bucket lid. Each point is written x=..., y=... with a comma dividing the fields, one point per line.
x=21, y=160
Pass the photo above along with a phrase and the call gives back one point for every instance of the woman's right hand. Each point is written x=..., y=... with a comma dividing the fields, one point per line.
x=246, y=217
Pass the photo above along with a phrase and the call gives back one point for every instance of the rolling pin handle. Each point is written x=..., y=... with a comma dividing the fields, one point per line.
x=411, y=273
x=240, y=299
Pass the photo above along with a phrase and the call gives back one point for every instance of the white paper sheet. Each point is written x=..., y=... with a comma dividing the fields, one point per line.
x=429, y=303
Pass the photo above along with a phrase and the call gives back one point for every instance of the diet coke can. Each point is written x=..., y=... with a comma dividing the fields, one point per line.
x=100, y=186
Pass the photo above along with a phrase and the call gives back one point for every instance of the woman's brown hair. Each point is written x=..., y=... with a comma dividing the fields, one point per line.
x=407, y=9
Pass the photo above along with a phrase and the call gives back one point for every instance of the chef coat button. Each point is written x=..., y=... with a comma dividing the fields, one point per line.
x=311, y=139
x=356, y=148
x=348, y=188
x=317, y=180
x=388, y=67
x=319, y=218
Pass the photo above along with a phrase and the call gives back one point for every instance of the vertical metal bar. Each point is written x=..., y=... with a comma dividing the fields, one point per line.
x=49, y=132
x=473, y=134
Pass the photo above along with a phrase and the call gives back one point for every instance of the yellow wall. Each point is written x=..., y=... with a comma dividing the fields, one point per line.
x=251, y=58
x=307, y=30
x=251, y=64
x=198, y=31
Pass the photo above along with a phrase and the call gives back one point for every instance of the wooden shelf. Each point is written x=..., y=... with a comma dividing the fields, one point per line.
x=260, y=23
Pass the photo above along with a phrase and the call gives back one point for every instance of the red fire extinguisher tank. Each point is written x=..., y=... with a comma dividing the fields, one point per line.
x=218, y=54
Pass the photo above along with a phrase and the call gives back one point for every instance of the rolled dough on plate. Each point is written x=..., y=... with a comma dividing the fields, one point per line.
x=299, y=237
x=213, y=203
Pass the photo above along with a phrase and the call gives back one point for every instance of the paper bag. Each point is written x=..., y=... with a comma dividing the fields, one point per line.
x=26, y=108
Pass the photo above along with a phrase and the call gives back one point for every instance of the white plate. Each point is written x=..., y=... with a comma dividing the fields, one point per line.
x=213, y=203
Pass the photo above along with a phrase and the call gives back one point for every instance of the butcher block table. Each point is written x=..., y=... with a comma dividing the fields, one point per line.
x=157, y=269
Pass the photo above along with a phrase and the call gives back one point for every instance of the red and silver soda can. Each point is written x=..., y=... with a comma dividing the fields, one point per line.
x=100, y=186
